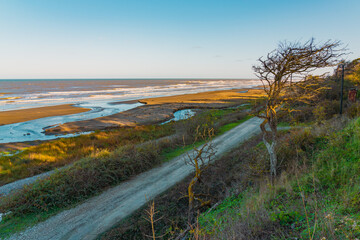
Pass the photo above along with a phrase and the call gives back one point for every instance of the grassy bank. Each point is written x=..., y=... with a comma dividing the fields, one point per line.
x=316, y=195
x=49, y=155
x=319, y=199
x=172, y=206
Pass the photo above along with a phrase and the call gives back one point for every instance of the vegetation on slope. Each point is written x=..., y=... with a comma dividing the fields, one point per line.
x=317, y=195
x=92, y=174
x=53, y=154
x=319, y=199
x=305, y=202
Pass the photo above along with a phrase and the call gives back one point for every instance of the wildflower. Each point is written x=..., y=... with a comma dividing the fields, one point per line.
x=354, y=225
x=329, y=216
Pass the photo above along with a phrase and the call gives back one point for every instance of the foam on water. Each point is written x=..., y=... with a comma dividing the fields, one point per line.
x=115, y=93
x=96, y=95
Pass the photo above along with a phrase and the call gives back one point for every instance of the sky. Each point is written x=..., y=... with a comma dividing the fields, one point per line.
x=161, y=39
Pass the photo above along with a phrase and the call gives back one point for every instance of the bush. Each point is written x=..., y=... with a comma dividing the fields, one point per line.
x=321, y=201
x=353, y=110
x=82, y=180
x=57, y=153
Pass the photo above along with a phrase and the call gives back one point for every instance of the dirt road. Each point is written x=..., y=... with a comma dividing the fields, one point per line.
x=100, y=213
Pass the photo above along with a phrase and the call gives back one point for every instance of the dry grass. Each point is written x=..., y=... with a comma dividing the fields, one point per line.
x=49, y=155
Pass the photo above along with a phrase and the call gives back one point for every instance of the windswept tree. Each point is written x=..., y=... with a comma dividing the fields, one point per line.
x=276, y=70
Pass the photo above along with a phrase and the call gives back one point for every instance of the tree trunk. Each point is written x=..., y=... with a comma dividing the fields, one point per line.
x=273, y=157
x=270, y=146
x=191, y=200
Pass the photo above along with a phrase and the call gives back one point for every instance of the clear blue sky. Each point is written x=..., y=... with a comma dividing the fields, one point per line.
x=168, y=38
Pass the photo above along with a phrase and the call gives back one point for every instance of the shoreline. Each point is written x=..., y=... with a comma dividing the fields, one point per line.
x=154, y=111
x=23, y=115
x=159, y=109
x=219, y=96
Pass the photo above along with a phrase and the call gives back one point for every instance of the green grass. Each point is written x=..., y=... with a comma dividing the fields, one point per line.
x=321, y=202
x=230, y=126
x=17, y=224
x=171, y=153
x=220, y=217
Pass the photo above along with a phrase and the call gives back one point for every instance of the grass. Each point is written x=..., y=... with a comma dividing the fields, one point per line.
x=230, y=126
x=172, y=206
x=53, y=154
x=322, y=202
x=84, y=179
x=171, y=153
x=17, y=224
x=104, y=168
x=298, y=204
x=49, y=155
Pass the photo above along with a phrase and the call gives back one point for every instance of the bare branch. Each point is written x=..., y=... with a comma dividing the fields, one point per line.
x=278, y=67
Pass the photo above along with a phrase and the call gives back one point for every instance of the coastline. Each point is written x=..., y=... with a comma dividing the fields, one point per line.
x=160, y=109
x=220, y=96
x=154, y=111
x=23, y=115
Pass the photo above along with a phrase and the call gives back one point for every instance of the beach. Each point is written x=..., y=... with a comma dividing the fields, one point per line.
x=157, y=110
x=223, y=96
x=34, y=113
x=22, y=115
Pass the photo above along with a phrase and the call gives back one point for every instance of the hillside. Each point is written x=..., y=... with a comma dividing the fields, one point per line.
x=315, y=196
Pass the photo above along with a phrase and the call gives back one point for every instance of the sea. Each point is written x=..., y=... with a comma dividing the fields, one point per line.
x=97, y=94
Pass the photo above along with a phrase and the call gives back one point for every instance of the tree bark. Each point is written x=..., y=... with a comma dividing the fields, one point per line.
x=270, y=146
x=273, y=157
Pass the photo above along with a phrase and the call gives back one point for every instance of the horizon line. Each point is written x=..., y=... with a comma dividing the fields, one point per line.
x=189, y=78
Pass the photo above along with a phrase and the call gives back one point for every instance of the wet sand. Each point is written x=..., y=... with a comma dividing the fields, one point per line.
x=23, y=115
x=159, y=109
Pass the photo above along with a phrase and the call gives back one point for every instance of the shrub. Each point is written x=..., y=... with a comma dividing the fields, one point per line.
x=57, y=153
x=85, y=178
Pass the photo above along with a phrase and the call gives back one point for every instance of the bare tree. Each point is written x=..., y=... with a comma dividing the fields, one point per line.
x=200, y=159
x=290, y=60
x=150, y=217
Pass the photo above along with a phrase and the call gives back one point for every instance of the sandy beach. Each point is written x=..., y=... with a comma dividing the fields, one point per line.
x=222, y=96
x=22, y=115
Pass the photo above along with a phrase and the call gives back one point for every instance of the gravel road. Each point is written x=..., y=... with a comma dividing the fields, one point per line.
x=98, y=214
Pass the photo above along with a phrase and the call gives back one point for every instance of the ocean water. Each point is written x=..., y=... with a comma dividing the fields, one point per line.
x=96, y=94
x=18, y=94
